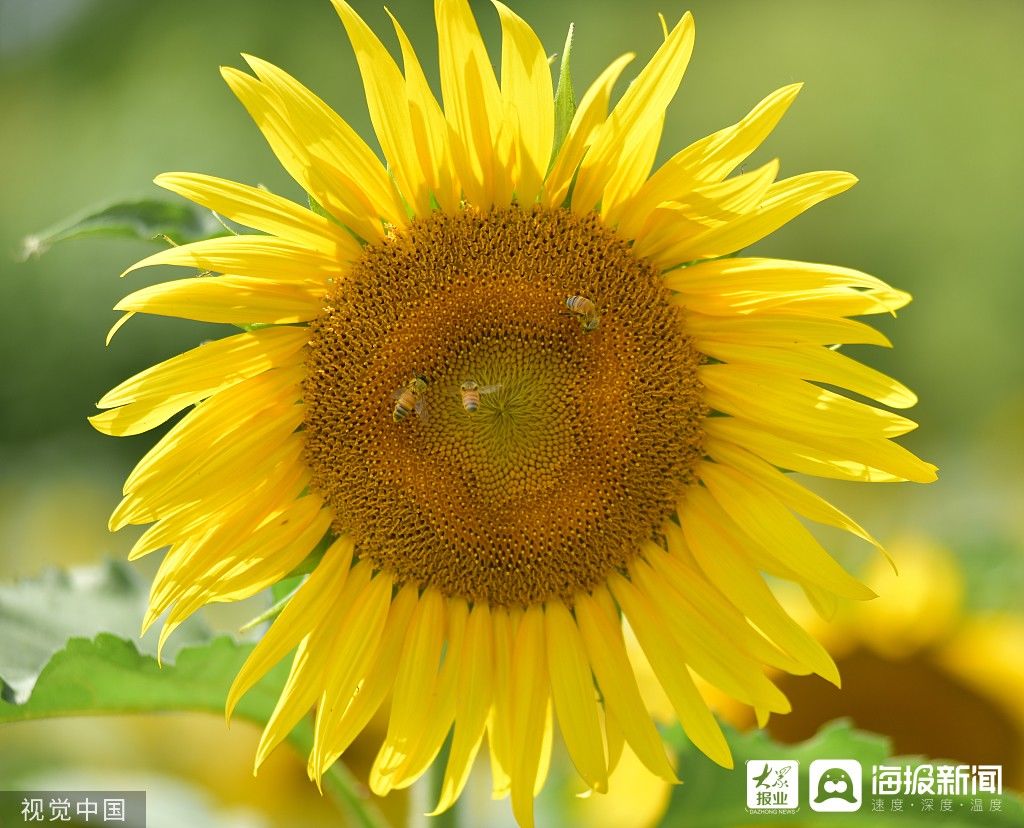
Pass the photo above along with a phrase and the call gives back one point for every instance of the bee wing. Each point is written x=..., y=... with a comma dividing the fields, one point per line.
x=489, y=389
x=421, y=409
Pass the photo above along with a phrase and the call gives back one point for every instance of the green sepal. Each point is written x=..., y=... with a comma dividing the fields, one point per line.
x=565, y=96
x=282, y=592
x=321, y=211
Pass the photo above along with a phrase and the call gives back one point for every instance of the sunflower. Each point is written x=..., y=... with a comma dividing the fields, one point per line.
x=953, y=676
x=515, y=385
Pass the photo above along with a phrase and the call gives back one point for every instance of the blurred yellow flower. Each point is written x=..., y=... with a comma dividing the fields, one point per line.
x=917, y=667
x=485, y=371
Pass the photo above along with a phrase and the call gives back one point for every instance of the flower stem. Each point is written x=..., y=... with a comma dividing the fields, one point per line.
x=350, y=796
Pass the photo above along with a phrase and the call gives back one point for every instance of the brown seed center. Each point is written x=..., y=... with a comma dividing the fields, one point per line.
x=580, y=441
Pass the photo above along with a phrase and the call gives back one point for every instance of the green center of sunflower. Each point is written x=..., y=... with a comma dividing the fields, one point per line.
x=475, y=431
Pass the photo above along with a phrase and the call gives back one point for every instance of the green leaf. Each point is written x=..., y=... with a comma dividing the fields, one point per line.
x=565, y=96
x=147, y=219
x=713, y=797
x=108, y=675
x=38, y=615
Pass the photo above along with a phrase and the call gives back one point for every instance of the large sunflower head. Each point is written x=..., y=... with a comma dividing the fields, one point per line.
x=518, y=388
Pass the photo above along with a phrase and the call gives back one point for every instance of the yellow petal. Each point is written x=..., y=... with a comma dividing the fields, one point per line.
x=314, y=660
x=784, y=201
x=313, y=168
x=136, y=418
x=297, y=696
x=758, y=514
x=224, y=416
x=264, y=211
x=630, y=121
x=633, y=168
x=263, y=257
x=843, y=458
x=434, y=730
x=340, y=732
x=386, y=99
x=474, y=692
x=334, y=143
x=547, y=740
x=706, y=207
x=682, y=573
x=787, y=405
x=285, y=475
x=529, y=708
x=779, y=329
x=826, y=301
x=726, y=567
x=602, y=637
x=505, y=624
x=188, y=569
x=268, y=554
x=266, y=557
x=429, y=128
x=787, y=490
x=220, y=362
x=591, y=113
x=526, y=89
x=705, y=649
x=738, y=275
x=472, y=100
x=672, y=673
x=572, y=687
x=817, y=364
x=236, y=463
x=228, y=299
x=360, y=629
x=708, y=160
x=152, y=396
x=414, y=683
x=614, y=739
x=717, y=155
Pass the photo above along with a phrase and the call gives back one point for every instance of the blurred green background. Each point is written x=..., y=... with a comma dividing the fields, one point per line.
x=920, y=98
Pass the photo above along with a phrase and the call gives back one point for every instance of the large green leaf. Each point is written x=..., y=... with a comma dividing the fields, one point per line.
x=712, y=797
x=108, y=675
x=38, y=615
x=146, y=219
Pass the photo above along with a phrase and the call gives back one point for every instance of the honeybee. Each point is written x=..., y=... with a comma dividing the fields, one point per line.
x=585, y=310
x=470, y=391
x=408, y=398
